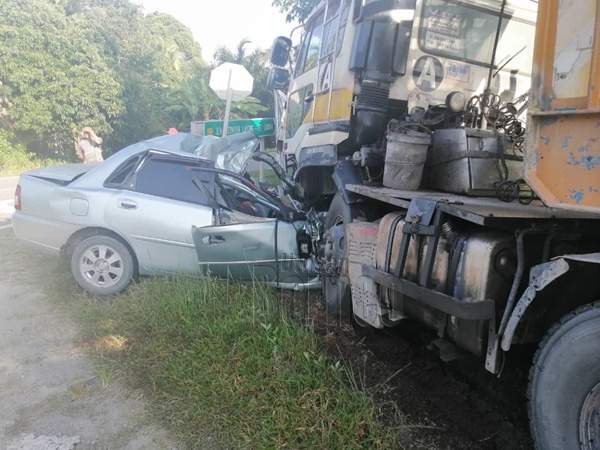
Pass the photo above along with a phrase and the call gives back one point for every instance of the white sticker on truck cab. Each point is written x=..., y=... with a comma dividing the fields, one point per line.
x=458, y=72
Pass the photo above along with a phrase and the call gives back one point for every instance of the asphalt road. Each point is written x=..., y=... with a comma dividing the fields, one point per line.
x=7, y=192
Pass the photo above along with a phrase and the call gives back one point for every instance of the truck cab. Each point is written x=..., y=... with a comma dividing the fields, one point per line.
x=362, y=63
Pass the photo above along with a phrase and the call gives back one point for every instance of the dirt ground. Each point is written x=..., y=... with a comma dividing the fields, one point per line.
x=433, y=405
x=51, y=395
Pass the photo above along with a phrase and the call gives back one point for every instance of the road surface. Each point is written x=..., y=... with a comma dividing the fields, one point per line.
x=51, y=395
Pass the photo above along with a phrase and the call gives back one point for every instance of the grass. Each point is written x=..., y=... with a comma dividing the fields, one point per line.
x=225, y=360
x=270, y=177
x=107, y=376
x=15, y=166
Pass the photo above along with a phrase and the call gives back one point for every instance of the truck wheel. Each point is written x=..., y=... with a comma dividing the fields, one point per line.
x=338, y=296
x=564, y=390
x=102, y=265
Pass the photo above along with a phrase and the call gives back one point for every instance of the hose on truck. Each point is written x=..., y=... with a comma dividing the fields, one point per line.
x=279, y=171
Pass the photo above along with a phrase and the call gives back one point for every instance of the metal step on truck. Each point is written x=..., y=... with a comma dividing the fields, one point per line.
x=453, y=149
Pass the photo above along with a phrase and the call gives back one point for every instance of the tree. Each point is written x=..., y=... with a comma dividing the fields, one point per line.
x=192, y=101
x=257, y=63
x=222, y=54
x=295, y=9
x=151, y=54
x=52, y=78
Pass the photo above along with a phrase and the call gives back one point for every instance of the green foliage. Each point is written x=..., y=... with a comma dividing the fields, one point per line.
x=224, y=359
x=14, y=159
x=257, y=63
x=53, y=78
x=66, y=64
x=193, y=100
x=296, y=9
x=151, y=55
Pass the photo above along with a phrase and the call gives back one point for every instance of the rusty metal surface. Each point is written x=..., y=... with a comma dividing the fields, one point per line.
x=540, y=277
x=562, y=152
x=474, y=209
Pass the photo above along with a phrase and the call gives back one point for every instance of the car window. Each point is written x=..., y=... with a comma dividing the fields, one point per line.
x=314, y=46
x=170, y=177
x=118, y=177
x=330, y=29
x=235, y=195
x=343, y=22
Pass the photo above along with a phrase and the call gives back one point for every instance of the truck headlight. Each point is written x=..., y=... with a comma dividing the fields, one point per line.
x=456, y=101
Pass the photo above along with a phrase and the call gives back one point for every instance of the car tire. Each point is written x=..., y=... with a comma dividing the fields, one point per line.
x=102, y=265
x=564, y=389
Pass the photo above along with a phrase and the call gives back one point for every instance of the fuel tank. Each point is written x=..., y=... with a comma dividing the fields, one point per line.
x=471, y=264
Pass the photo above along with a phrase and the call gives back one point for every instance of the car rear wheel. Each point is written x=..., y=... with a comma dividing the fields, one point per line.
x=564, y=392
x=102, y=265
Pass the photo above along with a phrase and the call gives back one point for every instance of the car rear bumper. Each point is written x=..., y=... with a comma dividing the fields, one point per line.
x=47, y=235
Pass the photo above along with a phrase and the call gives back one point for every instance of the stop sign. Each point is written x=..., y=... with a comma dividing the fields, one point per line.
x=233, y=76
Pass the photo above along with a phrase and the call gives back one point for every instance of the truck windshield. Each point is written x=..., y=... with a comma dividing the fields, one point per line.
x=465, y=32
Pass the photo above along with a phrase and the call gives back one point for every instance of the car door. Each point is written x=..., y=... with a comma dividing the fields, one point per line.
x=251, y=247
x=155, y=209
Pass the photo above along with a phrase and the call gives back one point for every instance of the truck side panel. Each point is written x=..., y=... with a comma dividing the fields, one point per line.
x=562, y=161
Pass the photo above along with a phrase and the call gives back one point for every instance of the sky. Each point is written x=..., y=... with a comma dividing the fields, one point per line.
x=225, y=22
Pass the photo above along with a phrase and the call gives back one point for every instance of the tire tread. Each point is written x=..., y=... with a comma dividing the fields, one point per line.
x=559, y=327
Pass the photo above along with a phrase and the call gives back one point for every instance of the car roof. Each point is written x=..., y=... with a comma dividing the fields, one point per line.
x=178, y=144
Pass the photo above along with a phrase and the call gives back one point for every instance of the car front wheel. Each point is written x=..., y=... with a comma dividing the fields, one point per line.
x=102, y=265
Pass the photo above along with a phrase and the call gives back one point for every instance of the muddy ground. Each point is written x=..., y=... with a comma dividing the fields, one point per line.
x=52, y=397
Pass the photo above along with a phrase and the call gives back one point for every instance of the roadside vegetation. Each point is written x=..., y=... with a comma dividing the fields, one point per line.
x=67, y=64
x=14, y=159
x=225, y=366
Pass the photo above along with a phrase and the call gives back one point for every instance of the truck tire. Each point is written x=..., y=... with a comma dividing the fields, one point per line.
x=338, y=295
x=564, y=389
x=102, y=265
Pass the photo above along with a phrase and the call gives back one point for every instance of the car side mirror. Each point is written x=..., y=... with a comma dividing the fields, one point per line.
x=278, y=79
x=280, y=52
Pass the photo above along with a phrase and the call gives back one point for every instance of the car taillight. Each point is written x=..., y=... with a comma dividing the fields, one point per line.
x=18, y=198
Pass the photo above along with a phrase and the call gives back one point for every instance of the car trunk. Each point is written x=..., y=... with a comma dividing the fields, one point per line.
x=61, y=174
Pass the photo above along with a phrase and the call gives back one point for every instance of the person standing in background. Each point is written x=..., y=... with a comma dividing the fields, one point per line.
x=88, y=149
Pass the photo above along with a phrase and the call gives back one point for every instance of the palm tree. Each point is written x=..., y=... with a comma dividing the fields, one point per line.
x=223, y=54
x=257, y=64
x=193, y=100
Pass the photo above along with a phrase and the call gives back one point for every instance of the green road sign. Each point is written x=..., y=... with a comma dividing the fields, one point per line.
x=262, y=127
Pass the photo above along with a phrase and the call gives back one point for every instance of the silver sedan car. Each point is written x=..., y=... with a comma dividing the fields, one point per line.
x=177, y=204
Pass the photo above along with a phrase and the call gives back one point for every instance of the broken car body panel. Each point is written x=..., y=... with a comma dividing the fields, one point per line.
x=264, y=251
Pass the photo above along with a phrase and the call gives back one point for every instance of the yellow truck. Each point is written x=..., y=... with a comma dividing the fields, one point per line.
x=459, y=183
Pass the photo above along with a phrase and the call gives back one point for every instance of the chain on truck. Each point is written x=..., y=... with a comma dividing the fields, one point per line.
x=453, y=151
